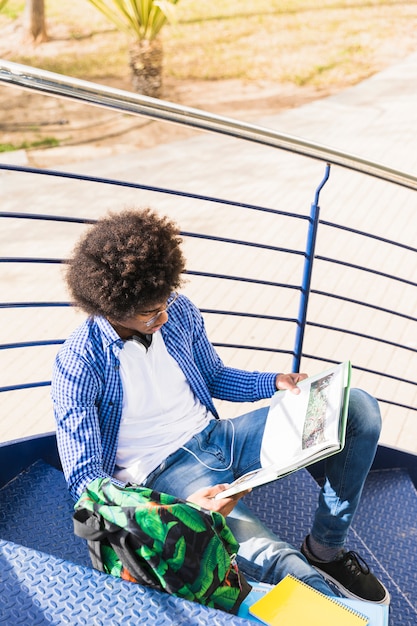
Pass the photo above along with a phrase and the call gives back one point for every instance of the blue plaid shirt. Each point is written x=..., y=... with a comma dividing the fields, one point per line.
x=87, y=389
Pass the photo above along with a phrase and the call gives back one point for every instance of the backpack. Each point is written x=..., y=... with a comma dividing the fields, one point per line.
x=158, y=540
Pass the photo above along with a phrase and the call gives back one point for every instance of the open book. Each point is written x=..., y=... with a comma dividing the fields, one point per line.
x=301, y=428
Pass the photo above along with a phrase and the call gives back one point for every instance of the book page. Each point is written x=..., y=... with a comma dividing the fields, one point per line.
x=301, y=428
x=300, y=425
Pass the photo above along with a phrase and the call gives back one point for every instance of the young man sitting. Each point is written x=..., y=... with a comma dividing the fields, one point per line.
x=133, y=391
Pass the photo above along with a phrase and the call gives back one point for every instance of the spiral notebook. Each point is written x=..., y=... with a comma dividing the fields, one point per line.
x=293, y=602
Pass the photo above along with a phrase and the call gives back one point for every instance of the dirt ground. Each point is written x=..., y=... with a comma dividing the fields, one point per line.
x=27, y=117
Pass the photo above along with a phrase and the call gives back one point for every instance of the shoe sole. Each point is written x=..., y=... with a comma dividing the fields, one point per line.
x=385, y=601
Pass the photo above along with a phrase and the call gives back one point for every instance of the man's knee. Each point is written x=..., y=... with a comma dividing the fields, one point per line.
x=364, y=414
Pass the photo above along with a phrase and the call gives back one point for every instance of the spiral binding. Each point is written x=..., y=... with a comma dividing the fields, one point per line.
x=334, y=600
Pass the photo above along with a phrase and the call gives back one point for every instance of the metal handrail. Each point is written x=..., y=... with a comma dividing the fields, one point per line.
x=51, y=83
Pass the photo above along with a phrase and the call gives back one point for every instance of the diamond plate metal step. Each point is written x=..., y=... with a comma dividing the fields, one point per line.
x=45, y=571
x=386, y=522
x=39, y=589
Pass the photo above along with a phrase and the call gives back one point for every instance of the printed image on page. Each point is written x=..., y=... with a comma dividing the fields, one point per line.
x=298, y=424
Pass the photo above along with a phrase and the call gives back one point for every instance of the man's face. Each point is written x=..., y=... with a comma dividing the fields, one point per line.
x=146, y=322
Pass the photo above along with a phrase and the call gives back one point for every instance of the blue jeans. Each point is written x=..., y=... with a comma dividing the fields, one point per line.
x=226, y=449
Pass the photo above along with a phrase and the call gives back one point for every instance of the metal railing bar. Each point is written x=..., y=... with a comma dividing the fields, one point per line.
x=314, y=357
x=260, y=316
x=355, y=333
x=257, y=348
x=46, y=383
x=187, y=272
x=390, y=376
x=369, y=270
x=51, y=342
x=310, y=251
x=33, y=305
x=130, y=185
x=31, y=344
x=50, y=83
x=241, y=242
x=213, y=238
x=24, y=305
x=41, y=216
x=355, y=231
x=243, y=279
x=410, y=407
x=16, y=259
x=374, y=307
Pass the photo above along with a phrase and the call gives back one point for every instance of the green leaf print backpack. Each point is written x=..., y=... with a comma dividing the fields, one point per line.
x=161, y=541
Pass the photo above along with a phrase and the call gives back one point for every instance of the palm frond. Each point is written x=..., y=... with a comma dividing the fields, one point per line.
x=142, y=18
x=118, y=16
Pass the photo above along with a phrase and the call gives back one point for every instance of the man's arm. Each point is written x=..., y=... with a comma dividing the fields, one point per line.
x=75, y=394
x=234, y=384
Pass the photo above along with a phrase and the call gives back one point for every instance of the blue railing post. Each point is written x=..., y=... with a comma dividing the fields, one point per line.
x=308, y=269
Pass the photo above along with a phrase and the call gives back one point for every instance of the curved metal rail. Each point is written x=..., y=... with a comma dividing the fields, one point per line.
x=59, y=85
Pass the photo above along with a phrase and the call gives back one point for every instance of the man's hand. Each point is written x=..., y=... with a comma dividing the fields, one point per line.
x=205, y=498
x=289, y=381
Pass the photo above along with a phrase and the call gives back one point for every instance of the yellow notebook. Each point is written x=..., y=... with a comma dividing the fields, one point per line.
x=293, y=603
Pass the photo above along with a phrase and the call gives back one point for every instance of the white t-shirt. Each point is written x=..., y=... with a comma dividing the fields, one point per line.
x=160, y=412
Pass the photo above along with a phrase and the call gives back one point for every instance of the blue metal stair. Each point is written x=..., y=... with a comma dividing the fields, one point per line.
x=46, y=578
x=387, y=523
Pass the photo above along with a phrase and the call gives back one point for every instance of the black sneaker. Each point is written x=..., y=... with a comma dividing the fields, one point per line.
x=351, y=575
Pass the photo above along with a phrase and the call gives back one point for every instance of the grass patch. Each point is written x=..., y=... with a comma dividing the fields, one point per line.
x=12, y=10
x=47, y=142
x=88, y=65
x=295, y=41
x=276, y=40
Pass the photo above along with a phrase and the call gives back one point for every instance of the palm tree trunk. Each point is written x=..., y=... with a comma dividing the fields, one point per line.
x=34, y=18
x=146, y=66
